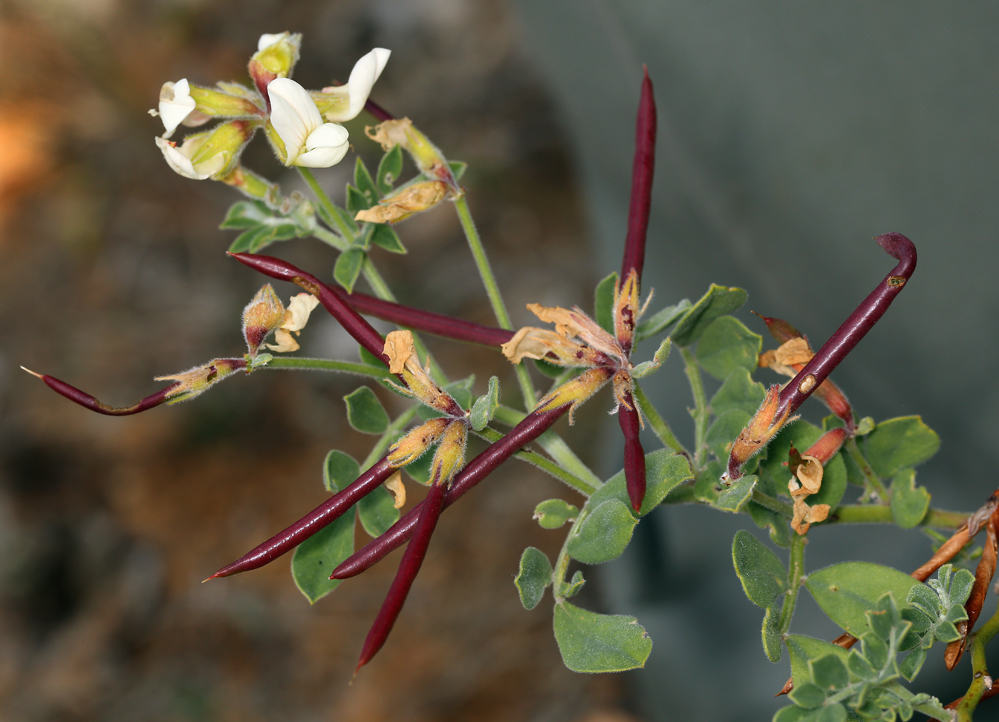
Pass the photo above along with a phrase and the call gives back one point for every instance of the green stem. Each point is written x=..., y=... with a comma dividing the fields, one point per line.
x=877, y=514
x=773, y=504
x=556, y=447
x=493, y=292
x=321, y=364
x=872, y=480
x=329, y=238
x=795, y=572
x=701, y=413
x=980, y=671
x=492, y=436
x=659, y=426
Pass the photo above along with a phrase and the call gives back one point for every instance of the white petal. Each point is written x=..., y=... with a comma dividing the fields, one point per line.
x=268, y=39
x=299, y=309
x=293, y=114
x=325, y=146
x=362, y=78
x=178, y=161
x=176, y=104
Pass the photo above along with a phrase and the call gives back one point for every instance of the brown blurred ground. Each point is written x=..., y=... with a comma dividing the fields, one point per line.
x=114, y=272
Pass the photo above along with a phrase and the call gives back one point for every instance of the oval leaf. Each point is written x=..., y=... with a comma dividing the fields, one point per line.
x=534, y=576
x=734, y=497
x=603, y=303
x=762, y=574
x=603, y=534
x=339, y=470
x=664, y=471
x=772, y=642
x=348, y=268
x=485, y=406
x=847, y=591
x=596, y=643
x=718, y=301
x=377, y=511
x=727, y=345
x=724, y=431
x=909, y=504
x=739, y=391
x=897, y=443
x=316, y=558
x=802, y=649
x=365, y=412
x=553, y=513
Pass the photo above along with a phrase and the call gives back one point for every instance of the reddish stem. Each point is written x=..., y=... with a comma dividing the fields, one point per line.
x=642, y=170
x=332, y=299
x=378, y=111
x=320, y=517
x=634, y=455
x=412, y=560
x=435, y=323
x=855, y=327
x=533, y=425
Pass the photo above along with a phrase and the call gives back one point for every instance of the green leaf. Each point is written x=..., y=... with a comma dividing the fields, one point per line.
x=377, y=511
x=848, y=590
x=572, y=587
x=365, y=412
x=829, y=672
x=723, y=432
x=596, y=643
x=458, y=168
x=860, y=667
x=913, y=662
x=803, y=434
x=647, y=367
x=364, y=183
x=764, y=518
x=335, y=221
x=550, y=370
x=339, y=471
x=762, y=574
x=603, y=303
x=793, y=713
x=708, y=485
x=534, y=576
x=802, y=649
x=661, y=320
x=369, y=359
x=772, y=642
x=385, y=237
x=735, y=496
x=664, y=471
x=316, y=558
x=419, y=470
x=807, y=695
x=726, y=345
x=356, y=200
x=247, y=214
x=389, y=169
x=603, y=533
x=898, y=443
x=909, y=504
x=554, y=513
x=485, y=406
x=739, y=391
x=718, y=301
x=348, y=268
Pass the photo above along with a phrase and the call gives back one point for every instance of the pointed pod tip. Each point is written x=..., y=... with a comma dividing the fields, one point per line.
x=36, y=375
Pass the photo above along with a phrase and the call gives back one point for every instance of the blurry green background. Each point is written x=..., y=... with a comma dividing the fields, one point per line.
x=789, y=136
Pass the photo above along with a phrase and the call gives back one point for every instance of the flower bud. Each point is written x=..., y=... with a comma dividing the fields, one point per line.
x=406, y=202
x=262, y=315
x=414, y=444
x=450, y=456
x=211, y=154
x=575, y=391
x=190, y=105
x=276, y=57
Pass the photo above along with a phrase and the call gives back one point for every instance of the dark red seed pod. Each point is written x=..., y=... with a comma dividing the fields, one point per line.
x=89, y=402
x=634, y=455
x=642, y=170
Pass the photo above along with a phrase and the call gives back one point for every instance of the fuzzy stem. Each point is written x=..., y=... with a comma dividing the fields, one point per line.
x=409, y=567
x=321, y=364
x=547, y=466
x=477, y=469
x=872, y=480
x=795, y=572
x=856, y=326
x=980, y=672
x=320, y=517
x=877, y=514
x=659, y=426
x=773, y=504
x=701, y=412
x=642, y=170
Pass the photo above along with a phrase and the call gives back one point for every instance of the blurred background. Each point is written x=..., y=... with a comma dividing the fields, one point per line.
x=789, y=136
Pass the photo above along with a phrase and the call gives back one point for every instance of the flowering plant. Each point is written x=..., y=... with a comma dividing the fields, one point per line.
x=750, y=455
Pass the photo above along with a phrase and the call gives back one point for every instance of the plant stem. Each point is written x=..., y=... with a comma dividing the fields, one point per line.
x=492, y=436
x=795, y=571
x=556, y=447
x=386, y=439
x=321, y=364
x=659, y=426
x=701, y=412
x=870, y=478
x=979, y=669
x=773, y=504
x=493, y=292
x=878, y=514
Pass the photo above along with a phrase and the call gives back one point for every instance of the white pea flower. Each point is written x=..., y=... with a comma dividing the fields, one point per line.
x=295, y=318
x=308, y=141
x=268, y=39
x=362, y=78
x=176, y=104
x=180, y=158
x=209, y=154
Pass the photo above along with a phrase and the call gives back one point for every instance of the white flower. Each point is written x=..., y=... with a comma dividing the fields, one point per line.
x=308, y=141
x=268, y=39
x=362, y=78
x=176, y=104
x=179, y=158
